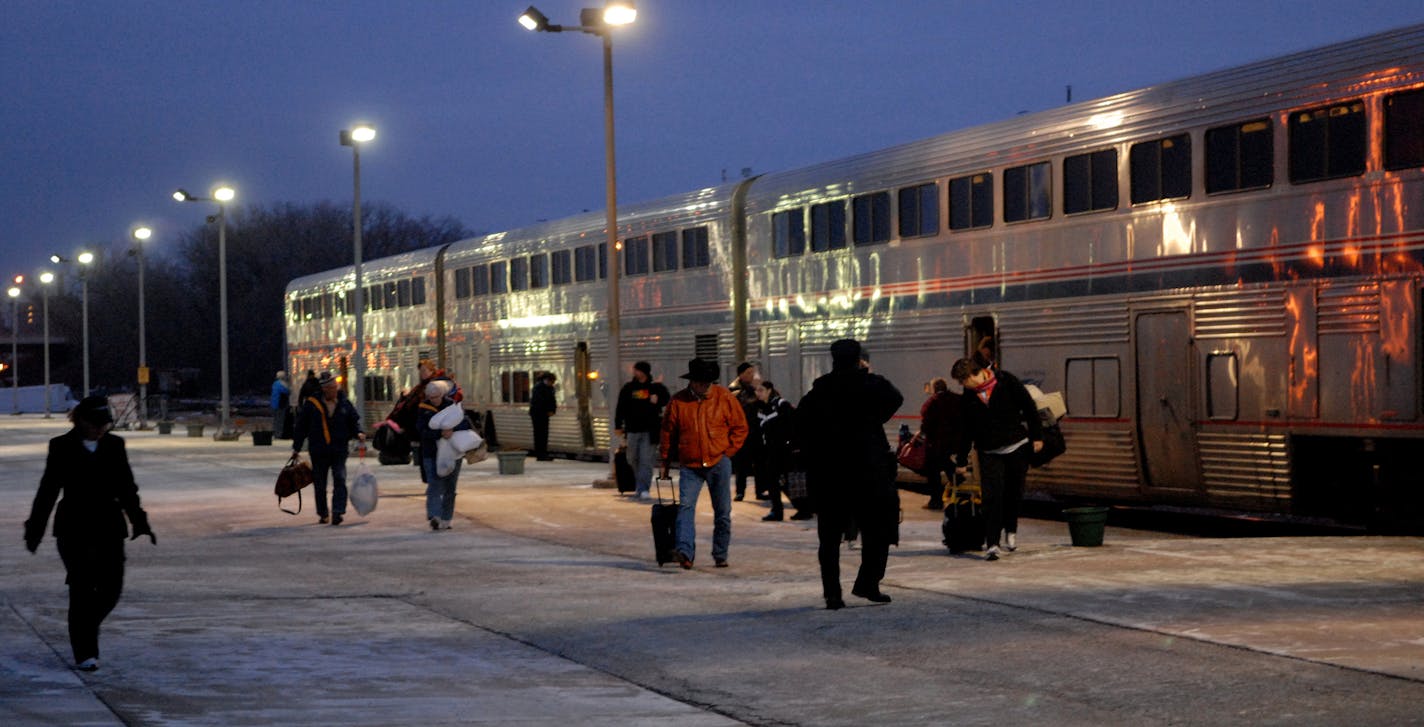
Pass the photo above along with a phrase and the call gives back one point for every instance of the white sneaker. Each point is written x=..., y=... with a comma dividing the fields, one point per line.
x=1011, y=542
x=444, y=524
x=645, y=496
x=992, y=553
x=90, y=664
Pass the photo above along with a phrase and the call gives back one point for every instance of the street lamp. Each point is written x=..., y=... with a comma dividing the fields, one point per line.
x=140, y=234
x=46, y=279
x=14, y=293
x=222, y=195
x=354, y=138
x=601, y=23
x=85, y=259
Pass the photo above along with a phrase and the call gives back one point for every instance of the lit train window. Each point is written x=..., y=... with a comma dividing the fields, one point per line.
x=635, y=256
x=1404, y=130
x=1240, y=156
x=499, y=277
x=462, y=283
x=828, y=226
x=1161, y=169
x=1327, y=143
x=919, y=210
x=585, y=262
x=519, y=274
x=539, y=271
x=1090, y=182
x=664, y=251
x=695, y=252
x=788, y=233
x=479, y=280
x=871, y=217
x=561, y=264
x=417, y=291
x=971, y=202
x=1028, y=192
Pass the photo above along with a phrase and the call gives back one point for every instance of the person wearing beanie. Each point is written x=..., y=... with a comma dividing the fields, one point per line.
x=90, y=466
x=638, y=419
x=744, y=464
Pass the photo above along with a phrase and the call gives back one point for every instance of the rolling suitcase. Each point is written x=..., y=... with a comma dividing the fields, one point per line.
x=664, y=520
x=623, y=471
x=963, y=526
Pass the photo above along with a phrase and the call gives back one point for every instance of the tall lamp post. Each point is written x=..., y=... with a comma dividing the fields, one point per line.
x=601, y=23
x=140, y=234
x=46, y=279
x=222, y=195
x=354, y=138
x=14, y=293
x=85, y=259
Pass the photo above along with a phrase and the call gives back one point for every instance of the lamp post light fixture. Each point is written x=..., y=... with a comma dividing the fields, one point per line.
x=46, y=280
x=14, y=293
x=140, y=235
x=221, y=195
x=85, y=259
x=601, y=23
x=354, y=138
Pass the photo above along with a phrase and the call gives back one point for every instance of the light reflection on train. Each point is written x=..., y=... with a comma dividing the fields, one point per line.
x=1223, y=276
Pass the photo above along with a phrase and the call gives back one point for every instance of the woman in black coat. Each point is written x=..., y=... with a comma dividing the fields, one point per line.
x=774, y=427
x=91, y=467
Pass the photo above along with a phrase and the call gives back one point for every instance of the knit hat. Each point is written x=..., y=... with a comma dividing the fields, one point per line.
x=645, y=367
x=845, y=352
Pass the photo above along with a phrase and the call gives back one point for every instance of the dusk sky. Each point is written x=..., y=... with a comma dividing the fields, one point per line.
x=106, y=107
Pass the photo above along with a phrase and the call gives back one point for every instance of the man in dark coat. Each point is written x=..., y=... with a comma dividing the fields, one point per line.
x=850, y=468
x=91, y=467
x=744, y=462
x=1001, y=421
x=542, y=405
x=329, y=422
x=639, y=419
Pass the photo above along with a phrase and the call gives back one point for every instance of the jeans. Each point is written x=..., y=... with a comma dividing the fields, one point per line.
x=1001, y=477
x=439, y=491
x=718, y=479
x=642, y=457
x=336, y=465
x=96, y=578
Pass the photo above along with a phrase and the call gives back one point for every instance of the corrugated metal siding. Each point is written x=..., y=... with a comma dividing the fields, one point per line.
x=1240, y=314
x=1246, y=470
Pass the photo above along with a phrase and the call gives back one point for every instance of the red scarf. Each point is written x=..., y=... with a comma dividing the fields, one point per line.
x=986, y=389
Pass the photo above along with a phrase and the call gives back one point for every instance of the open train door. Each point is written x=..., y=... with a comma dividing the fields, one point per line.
x=1166, y=412
x=583, y=393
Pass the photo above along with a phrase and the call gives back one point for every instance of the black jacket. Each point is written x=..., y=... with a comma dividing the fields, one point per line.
x=98, y=487
x=329, y=435
x=1010, y=416
x=840, y=427
x=636, y=411
x=541, y=400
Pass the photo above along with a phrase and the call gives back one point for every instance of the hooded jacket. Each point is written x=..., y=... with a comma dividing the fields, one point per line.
x=699, y=432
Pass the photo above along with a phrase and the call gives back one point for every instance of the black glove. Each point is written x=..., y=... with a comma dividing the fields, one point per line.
x=141, y=528
x=33, y=536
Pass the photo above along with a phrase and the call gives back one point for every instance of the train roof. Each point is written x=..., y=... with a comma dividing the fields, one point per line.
x=378, y=269
x=1330, y=73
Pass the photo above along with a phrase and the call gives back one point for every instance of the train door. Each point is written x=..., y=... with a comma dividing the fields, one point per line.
x=1166, y=429
x=583, y=393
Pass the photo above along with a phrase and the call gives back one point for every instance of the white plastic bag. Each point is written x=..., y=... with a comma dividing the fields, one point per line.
x=363, y=493
x=448, y=418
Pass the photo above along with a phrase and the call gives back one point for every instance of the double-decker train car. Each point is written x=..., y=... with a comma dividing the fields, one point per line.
x=1223, y=275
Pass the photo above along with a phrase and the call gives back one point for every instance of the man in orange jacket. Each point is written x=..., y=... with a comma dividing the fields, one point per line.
x=703, y=427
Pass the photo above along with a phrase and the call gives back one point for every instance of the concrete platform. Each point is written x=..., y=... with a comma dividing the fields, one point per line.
x=543, y=606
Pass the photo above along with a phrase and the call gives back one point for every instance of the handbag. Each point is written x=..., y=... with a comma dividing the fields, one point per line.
x=912, y=454
x=290, y=481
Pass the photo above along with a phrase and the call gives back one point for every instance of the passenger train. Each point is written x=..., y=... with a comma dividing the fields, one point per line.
x=1223, y=275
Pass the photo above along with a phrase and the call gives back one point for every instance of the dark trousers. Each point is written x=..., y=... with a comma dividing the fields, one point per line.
x=541, y=435
x=1002, y=478
x=743, y=466
x=834, y=517
x=770, y=472
x=335, y=464
x=95, y=574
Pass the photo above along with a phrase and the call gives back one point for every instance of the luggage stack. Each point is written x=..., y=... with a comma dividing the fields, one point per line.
x=963, y=526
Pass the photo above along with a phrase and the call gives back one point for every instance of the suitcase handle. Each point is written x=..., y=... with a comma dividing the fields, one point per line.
x=658, y=483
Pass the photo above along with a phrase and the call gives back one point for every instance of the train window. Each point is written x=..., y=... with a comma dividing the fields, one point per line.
x=919, y=210
x=392, y=295
x=828, y=226
x=417, y=291
x=871, y=217
x=1327, y=143
x=1404, y=130
x=664, y=251
x=1161, y=169
x=602, y=261
x=403, y=294
x=635, y=255
x=1240, y=156
x=1090, y=182
x=585, y=262
x=462, y=283
x=561, y=264
x=1027, y=192
x=695, y=251
x=479, y=280
x=375, y=299
x=348, y=302
x=499, y=277
x=1091, y=387
x=539, y=271
x=519, y=387
x=326, y=305
x=1221, y=385
x=788, y=232
x=971, y=202
x=519, y=273
x=378, y=388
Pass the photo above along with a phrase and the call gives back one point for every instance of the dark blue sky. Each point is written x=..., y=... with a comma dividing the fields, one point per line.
x=107, y=106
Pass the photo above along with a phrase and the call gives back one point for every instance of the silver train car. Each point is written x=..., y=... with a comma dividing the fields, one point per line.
x=1223, y=275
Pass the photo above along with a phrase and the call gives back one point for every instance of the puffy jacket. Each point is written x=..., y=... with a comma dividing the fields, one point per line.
x=700, y=432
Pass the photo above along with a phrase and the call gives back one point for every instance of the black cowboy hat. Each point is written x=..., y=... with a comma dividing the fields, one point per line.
x=702, y=370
